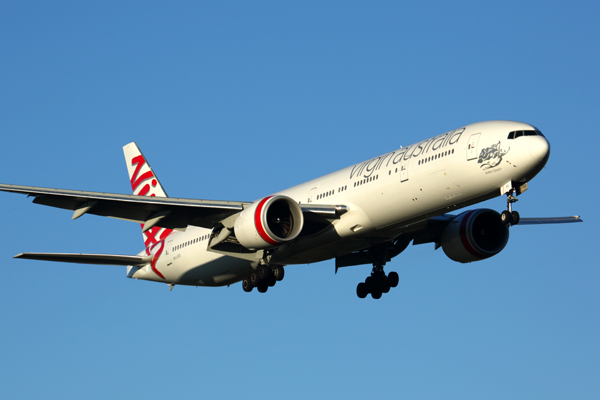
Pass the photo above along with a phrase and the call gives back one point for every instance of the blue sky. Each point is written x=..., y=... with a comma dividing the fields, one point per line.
x=236, y=100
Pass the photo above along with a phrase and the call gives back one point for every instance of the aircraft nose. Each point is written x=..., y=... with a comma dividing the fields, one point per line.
x=539, y=148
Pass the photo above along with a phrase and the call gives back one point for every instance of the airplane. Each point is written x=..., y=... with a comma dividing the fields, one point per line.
x=367, y=213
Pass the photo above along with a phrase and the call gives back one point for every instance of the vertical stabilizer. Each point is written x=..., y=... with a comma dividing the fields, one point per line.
x=144, y=183
x=142, y=178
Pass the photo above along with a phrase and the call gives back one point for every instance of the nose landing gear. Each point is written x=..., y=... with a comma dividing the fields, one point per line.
x=509, y=216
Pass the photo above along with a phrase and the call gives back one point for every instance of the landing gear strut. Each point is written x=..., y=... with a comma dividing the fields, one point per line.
x=509, y=216
x=263, y=278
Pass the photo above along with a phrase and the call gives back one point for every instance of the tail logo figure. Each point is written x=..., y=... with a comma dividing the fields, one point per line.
x=140, y=162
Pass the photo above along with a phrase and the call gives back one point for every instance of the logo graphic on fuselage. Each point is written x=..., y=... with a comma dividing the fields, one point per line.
x=491, y=157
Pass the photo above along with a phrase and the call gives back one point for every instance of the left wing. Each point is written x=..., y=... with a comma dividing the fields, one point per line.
x=173, y=213
x=166, y=212
x=98, y=259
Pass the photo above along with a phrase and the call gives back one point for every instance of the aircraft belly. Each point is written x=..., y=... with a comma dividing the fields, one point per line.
x=320, y=251
x=195, y=268
x=221, y=271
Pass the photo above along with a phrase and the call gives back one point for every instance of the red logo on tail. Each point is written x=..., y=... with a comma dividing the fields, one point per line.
x=139, y=162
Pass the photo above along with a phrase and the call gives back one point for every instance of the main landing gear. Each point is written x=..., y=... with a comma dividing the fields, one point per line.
x=263, y=278
x=377, y=284
x=509, y=216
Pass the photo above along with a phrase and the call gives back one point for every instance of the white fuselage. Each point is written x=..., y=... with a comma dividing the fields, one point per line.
x=383, y=195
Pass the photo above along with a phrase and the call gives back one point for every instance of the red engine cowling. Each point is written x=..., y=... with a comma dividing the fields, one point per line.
x=474, y=235
x=269, y=223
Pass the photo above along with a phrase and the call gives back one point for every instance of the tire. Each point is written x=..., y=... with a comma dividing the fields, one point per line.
x=506, y=217
x=246, y=285
x=376, y=294
x=263, y=272
x=361, y=290
x=515, y=218
x=279, y=272
x=393, y=279
x=254, y=278
x=385, y=287
x=262, y=287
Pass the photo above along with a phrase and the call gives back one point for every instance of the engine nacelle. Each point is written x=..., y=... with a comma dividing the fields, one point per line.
x=474, y=235
x=269, y=223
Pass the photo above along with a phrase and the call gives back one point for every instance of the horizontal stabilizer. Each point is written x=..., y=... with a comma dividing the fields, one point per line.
x=551, y=220
x=100, y=259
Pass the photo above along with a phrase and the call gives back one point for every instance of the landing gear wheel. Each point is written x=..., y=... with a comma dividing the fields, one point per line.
x=385, y=287
x=515, y=217
x=263, y=272
x=254, y=278
x=506, y=217
x=263, y=287
x=393, y=279
x=278, y=272
x=361, y=290
x=247, y=286
x=376, y=294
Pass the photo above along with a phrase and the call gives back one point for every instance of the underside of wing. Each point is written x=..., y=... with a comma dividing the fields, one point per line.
x=98, y=259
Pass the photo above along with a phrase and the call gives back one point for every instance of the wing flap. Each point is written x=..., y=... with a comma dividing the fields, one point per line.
x=99, y=259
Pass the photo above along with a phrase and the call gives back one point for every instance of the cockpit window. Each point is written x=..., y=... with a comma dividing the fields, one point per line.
x=516, y=134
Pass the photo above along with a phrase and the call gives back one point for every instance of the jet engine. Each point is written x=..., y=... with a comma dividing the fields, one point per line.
x=269, y=223
x=474, y=235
